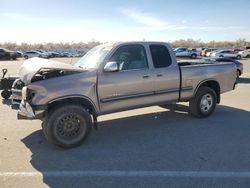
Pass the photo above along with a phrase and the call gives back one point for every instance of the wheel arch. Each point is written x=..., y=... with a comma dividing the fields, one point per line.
x=78, y=100
x=213, y=84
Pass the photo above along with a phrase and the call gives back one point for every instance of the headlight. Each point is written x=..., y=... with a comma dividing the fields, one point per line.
x=24, y=93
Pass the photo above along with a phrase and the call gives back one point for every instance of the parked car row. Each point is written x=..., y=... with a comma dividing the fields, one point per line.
x=6, y=54
x=50, y=54
x=236, y=53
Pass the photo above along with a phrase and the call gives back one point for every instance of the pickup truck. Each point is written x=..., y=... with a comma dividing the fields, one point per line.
x=185, y=52
x=111, y=78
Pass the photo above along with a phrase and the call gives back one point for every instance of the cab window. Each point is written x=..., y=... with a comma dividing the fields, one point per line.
x=160, y=55
x=130, y=57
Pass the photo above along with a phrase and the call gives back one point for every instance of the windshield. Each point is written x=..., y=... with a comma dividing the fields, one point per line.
x=94, y=57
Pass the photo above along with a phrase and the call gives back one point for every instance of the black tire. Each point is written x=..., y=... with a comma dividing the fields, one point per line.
x=26, y=57
x=221, y=56
x=193, y=56
x=203, y=103
x=67, y=126
x=6, y=94
x=238, y=57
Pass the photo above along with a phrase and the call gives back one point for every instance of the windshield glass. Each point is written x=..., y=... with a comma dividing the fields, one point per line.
x=94, y=57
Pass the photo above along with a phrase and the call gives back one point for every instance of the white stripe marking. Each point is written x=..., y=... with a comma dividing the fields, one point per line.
x=194, y=174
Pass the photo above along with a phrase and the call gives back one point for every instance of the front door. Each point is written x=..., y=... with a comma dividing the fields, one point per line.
x=131, y=86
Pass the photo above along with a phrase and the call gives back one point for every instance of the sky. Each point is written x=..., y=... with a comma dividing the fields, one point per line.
x=43, y=21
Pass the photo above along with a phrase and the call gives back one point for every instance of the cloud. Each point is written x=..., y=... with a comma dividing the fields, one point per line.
x=245, y=33
x=142, y=18
x=14, y=16
x=149, y=22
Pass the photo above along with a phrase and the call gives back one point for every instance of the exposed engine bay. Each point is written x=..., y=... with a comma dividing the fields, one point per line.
x=45, y=74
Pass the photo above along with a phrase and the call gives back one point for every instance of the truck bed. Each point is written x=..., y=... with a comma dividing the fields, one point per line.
x=193, y=73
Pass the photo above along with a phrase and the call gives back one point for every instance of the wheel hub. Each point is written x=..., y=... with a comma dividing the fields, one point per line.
x=69, y=126
x=206, y=103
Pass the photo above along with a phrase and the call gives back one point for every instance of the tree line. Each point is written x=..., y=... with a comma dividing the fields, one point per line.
x=189, y=43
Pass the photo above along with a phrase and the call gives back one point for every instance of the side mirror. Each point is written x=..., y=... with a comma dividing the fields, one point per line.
x=111, y=66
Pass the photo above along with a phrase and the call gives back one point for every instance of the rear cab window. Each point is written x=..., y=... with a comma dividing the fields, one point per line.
x=160, y=56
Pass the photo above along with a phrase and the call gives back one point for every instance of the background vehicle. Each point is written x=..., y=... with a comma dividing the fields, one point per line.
x=205, y=52
x=45, y=53
x=245, y=53
x=185, y=52
x=7, y=54
x=225, y=53
x=111, y=78
x=19, y=54
x=239, y=65
x=237, y=50
x=30, y=54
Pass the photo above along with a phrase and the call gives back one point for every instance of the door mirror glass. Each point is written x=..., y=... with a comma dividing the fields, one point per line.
x=111, y=66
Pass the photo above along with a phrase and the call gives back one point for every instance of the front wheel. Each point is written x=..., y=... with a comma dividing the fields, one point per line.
x=238, y=57
x=193, y=56
x=238, y=73
x=203, y=103
x=67, y=125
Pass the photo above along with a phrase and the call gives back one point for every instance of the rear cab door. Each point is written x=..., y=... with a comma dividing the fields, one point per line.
x=166, y=73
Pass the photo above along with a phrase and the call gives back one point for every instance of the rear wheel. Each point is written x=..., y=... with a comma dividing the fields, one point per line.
x=26, y=57
x=203, y=103
x=6, y=94
x=67, y=125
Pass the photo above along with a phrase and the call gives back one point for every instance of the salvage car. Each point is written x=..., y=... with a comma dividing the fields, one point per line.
x=7, y=54
x=185, y=52
x=245, y=53
x=225, y=53
x=34, y=53
x=112, y=78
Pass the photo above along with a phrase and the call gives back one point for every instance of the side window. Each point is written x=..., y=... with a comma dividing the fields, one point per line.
x=130, y=57
x=160, y=55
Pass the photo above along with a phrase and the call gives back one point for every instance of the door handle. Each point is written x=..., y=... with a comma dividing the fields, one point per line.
x=145, y=76
x=159, y=75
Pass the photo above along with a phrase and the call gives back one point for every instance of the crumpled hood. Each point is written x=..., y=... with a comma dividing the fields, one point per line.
x=31, y=66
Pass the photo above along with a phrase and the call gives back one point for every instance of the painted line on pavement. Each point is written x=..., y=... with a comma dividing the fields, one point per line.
x=193, y=174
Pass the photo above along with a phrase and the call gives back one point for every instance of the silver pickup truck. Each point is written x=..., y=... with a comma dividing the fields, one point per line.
x=111, y=78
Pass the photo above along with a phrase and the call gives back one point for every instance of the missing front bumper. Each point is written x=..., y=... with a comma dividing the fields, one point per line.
x=26, y=111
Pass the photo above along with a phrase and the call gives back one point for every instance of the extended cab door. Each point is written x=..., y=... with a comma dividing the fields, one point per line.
x=166, y=73
x=131, y=86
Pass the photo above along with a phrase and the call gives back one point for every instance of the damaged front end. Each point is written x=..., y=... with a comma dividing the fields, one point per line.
x=32, y=74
